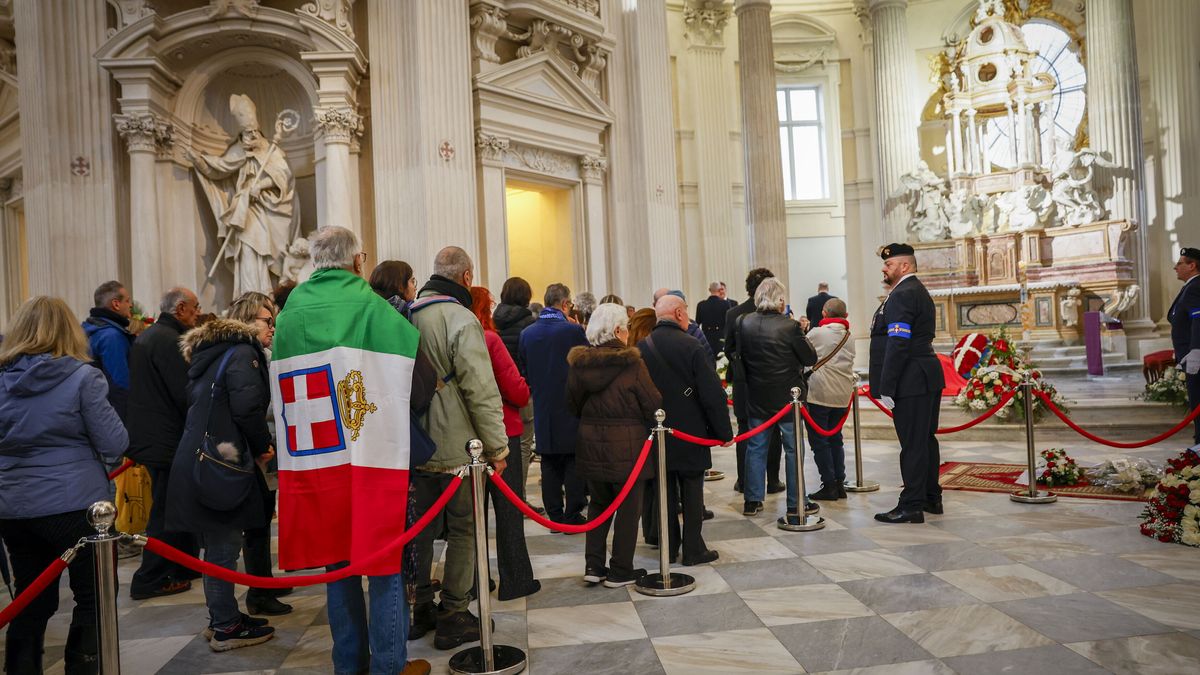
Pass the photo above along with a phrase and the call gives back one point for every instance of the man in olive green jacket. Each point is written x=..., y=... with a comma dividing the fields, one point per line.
x=467, y=405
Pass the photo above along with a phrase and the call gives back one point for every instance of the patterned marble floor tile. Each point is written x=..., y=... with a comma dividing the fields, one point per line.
x=1052, y=659
x=861, y=565
x=1103, y=573
x=966, y=629
x=1172, y=654
x=571, y=591
x=1179, y=562
x=608, y=658
x=848, y=643
x=1005, y=582
x=952, y=555
x=748, y=550
x=149, y=655
x=558, y=565
x=891, y=536
x=685, y=614
x=313, y=651
x=1173, y=604
x=581, y=625
x=770, y=574
x=715, y=530
x=1060, y=520
x=907, y=593
x=1116, y=540
x=828, y=542
x=984, y=527
x=1040, y=546
x=927, y=667
x=754, y=651
x=708, y=582
x=1079, y=617
x=803, y=604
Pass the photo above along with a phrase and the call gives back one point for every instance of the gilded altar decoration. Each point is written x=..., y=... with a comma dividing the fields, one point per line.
x=352, y=400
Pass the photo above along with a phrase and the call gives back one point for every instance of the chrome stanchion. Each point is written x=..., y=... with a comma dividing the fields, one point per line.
x=1031, y=495
x=102, y=515
x=858, y=485
x=486, y=659
x=665, y=582
x=802, y=521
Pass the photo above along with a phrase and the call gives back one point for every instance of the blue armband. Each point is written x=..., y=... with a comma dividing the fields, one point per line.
x=898, y=329
x=1195, y=313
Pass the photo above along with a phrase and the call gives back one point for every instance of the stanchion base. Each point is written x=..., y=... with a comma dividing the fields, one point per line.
x=713, y=474
x=865, y=486
x=807, y=524
x=652, y=584
x=506, y=661
x=1024, y=497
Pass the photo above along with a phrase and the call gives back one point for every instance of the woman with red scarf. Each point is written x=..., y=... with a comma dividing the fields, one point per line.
x=829, y=390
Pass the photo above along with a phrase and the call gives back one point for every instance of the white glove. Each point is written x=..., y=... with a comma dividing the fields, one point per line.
x=1191, y=362
x=889, y=403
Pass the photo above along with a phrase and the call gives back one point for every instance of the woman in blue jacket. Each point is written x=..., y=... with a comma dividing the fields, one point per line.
x=57, y=431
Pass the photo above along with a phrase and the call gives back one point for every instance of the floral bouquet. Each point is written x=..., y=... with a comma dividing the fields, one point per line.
x=1173, y=512
x=1170, y=388
x=1059, y=469
x=1004, y=367
x=1124, y=474
x=722, y=372
x=138, y=319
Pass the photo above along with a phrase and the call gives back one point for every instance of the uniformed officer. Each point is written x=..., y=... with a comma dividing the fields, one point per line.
x=906, y=377
x=1185, y=325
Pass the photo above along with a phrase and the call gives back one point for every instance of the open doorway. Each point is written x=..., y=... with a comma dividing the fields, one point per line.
x=541, y=234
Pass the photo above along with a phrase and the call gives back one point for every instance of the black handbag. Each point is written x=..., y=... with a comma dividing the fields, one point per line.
x=736, y=370
x=221, y=484
x=421, y=447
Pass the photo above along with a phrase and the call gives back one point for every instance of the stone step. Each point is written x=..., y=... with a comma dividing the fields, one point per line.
x=1080, y=370
x=1079, y=360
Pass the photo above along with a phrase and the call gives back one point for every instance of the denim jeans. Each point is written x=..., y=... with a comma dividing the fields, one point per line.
x=828, y=451
x=372, y=634
x=221, y=548
x=755, y=481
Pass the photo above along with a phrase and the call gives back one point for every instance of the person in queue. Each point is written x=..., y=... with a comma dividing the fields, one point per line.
x=1184, y=316
x=830, y=386
x=57, y=431
x=610, y=390
x=511, y=317
x=393, y=281
x=774, y=352
x=109, y=340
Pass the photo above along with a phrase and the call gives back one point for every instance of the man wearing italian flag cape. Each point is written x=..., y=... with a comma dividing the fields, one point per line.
x=341, y=374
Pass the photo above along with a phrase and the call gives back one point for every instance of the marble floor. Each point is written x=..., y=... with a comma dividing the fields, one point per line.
x=990, y=587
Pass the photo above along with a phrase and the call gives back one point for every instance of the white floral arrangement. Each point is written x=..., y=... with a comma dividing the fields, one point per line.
x=1173, y=512
x=1056, y=467
x=1171, y=388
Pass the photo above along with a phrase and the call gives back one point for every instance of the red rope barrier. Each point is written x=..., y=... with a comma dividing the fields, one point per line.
x=867, y=392
x=817, y=428
x=688, y=438
x=1116, y=444
x=49, y=576
x=125, y=466
x=1008, y=395
x=235, y=577
x=594, y=522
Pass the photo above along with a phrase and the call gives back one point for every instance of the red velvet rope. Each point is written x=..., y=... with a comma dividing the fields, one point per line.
x=594, y=522
x=235, y=577
x=1004, y=399
x=47, y=577
x=688, y=438
x=125, y=466
x=1117, y=444
x=817, y=428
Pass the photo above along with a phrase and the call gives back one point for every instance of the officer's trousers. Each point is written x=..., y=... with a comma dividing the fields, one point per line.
x=916, y=420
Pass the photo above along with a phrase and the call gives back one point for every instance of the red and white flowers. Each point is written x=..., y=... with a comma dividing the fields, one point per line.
x=1002, y=368
x=1173, y=512
x=1058, y=468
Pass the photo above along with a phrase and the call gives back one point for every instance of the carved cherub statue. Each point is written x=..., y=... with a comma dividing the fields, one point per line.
x=1068, y=307
x=1072, y=191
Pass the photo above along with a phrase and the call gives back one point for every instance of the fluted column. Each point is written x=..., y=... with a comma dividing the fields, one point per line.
x=1175, y=101
x=336, y=128
x=766, y=217
x=422, y=129
x=67, y=150
x=1115, y=125
x=895, y=115
x=146, y=135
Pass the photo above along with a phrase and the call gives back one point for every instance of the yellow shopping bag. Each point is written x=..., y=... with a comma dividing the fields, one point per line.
x=133, y=500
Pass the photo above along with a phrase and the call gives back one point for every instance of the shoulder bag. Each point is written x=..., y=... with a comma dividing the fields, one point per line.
x=221, y=484
x=736, y=370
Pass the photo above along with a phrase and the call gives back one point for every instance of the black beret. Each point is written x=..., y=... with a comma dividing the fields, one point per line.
x=1193, y=253
x=892, y=250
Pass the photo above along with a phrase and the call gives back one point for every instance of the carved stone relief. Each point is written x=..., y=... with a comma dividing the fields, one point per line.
x=706, y=21
x=338, y=125
x=592, y=168
x=336, y=13
x=247, y=8
x=488, y=25
x=146, y=132
x=490, y=147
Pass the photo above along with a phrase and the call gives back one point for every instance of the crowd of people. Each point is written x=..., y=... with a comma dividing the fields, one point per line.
x=574, y=383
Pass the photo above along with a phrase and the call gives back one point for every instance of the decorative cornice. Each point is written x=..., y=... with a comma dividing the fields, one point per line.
x=590, y=58
x=247, y=8
x=488, y=25
x=543, y=161
x=131, y=11
x=336, y=13
x=338, y=125
x=592, y=168
x=489, y=147
x=706, y=21
x=145, y=132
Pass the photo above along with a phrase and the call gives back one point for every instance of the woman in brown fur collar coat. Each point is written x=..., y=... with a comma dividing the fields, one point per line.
x=609, y=389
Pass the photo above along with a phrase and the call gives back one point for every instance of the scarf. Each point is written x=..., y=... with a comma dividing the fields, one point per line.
x=106, y=313
x=552, y=314
x=442, y=285
x=845, y=323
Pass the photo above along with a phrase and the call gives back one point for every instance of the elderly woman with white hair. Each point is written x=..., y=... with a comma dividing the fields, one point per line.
x=610, y=390
x=774, y=352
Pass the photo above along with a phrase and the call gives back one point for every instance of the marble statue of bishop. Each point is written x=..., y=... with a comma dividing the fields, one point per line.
x=251, y=191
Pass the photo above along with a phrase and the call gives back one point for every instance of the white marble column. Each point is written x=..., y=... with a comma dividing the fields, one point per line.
x=146, y=135
x=490, y=150
x=895, y=116
x=336, y=128
x=974, y=166
x=422, y=130
x=1115, y=125
x=592, y=170
x=765, y=213
x=67, y=150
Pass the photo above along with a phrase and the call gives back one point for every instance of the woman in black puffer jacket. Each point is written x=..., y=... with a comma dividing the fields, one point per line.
x=511, y=317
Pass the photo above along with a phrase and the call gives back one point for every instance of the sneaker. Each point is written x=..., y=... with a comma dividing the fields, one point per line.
x=247, y=620
x=619, y=579
x=752, y=508
x=169, y=588
x=827, y=493
x=241, y=635
x=594, y=575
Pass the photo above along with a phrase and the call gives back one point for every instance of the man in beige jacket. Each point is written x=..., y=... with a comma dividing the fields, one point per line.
x=829, y=390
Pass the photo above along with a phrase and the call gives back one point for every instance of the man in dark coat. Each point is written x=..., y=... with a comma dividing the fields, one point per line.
x=109, y=340
x=1185, y=326
x=158, y=406
x=695, y=403
x=816, y=303
x=906, y=376
x=542, y=357
x=740, y=394
x=710, y=314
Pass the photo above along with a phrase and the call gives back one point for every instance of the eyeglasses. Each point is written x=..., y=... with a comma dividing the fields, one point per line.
x=268, y=321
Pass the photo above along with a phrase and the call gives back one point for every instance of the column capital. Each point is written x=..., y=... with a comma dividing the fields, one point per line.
x=593, y=168
x=145, y=132
x=706, y=21
x=744, y=5
x=490, y=147
x=338, y=125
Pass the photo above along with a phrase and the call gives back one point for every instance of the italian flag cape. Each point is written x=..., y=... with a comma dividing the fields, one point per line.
x=341, y=373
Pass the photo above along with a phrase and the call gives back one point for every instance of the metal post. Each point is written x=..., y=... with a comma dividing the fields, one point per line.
x=102, y=515
x=666, y=582
x=801, y=521
x=1031, y=496
x=859, y=485
x=486, y=659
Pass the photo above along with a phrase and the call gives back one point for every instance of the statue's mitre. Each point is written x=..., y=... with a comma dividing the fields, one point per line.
x=244, y=112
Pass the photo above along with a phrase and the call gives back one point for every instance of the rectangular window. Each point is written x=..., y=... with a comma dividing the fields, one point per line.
x=802, y=142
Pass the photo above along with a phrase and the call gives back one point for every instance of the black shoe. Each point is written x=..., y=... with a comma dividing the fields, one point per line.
x=704, y=558
x=810, y=508
x=573, y=519
x=268, y=605
x=23, y=654
x=456, y=628
x=737, y=486
x=278, y=592
x=241, y=635
x=594, y=575
x=708, y=515
x=752, y=508
x=619, y=579
x=934, y=508
x=827, y=493
x=842, y=489
x=775, y=488
x=528, y=589
x=897, y=515
x=247, y=620
x=792, y=518
x=652, y=542
x=424, y=619
x=538, y=510
x=169, y=588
